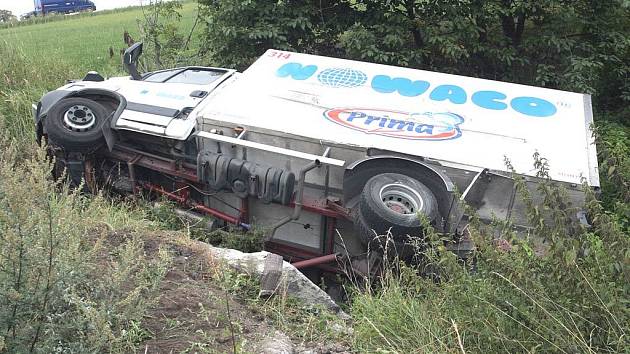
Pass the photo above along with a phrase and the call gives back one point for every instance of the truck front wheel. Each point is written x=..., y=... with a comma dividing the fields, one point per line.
x=75, y=124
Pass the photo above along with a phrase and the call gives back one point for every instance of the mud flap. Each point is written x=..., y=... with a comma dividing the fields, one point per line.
x=109, y=135
x=76, y=171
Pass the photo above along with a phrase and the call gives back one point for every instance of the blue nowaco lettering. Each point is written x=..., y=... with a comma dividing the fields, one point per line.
x=490, y=100
x=296, y=71
x=487, y=99
x=453, y=93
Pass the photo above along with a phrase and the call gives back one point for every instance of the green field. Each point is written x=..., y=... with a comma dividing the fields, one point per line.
x=83, y=41
x=38, y=57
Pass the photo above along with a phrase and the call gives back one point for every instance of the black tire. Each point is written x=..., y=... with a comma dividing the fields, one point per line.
x=392, y=202
x=64, y=126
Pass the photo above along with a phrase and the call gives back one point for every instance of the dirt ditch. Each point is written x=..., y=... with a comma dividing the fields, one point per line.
x=199, y=311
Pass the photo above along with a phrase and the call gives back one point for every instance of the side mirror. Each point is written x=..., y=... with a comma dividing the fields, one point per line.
x=130, y=60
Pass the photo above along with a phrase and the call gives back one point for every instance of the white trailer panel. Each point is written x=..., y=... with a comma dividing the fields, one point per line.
x=451, y=118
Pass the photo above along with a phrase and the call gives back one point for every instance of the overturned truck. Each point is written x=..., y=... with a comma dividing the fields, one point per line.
x=320, y=153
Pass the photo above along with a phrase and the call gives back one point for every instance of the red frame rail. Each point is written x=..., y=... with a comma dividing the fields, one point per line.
x=328, y=208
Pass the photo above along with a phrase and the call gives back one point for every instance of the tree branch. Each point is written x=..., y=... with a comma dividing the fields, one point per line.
x=411, y=15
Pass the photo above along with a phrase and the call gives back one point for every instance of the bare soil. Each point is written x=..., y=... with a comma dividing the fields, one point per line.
x=192, y=312
x=191, y=315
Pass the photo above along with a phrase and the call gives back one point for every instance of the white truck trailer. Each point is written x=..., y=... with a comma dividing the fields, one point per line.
x=320, y=153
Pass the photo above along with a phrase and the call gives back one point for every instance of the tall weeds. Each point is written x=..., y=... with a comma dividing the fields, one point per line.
x=60, y=288
x=569, y=294
x=23, y=81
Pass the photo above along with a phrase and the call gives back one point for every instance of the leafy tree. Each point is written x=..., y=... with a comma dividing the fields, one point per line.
x=574, y=45
x=579, y=45
x=7, y=16
x=237, y=32
x=159, y=31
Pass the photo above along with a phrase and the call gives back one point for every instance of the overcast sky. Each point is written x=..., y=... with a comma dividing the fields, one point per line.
x=19, y=7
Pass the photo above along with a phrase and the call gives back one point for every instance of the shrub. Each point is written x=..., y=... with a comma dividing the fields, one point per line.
x=613, y=145
x=63, y=287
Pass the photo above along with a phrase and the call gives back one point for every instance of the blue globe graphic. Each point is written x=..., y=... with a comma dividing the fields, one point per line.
x=342, y=77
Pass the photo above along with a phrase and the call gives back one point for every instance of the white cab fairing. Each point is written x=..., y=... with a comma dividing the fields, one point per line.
x=161, y=96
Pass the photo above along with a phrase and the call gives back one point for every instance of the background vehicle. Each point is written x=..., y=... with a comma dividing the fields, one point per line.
x=44, y=7
x=322, y=154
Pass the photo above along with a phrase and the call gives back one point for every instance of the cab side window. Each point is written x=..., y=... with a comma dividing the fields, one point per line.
x=196, y=77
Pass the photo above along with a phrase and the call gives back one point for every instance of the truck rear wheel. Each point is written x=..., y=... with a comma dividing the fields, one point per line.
x=75, y=124
x=392, y=202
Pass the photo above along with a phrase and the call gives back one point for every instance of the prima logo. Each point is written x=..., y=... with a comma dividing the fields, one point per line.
x=404, y=125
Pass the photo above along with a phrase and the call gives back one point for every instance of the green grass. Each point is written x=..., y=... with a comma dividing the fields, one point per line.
x=83, y=41
x=39, y=57
x=64, y=286
x=53, y=293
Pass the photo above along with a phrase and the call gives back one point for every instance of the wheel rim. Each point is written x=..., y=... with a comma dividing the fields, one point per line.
x=401, y=199
x=79, y=118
